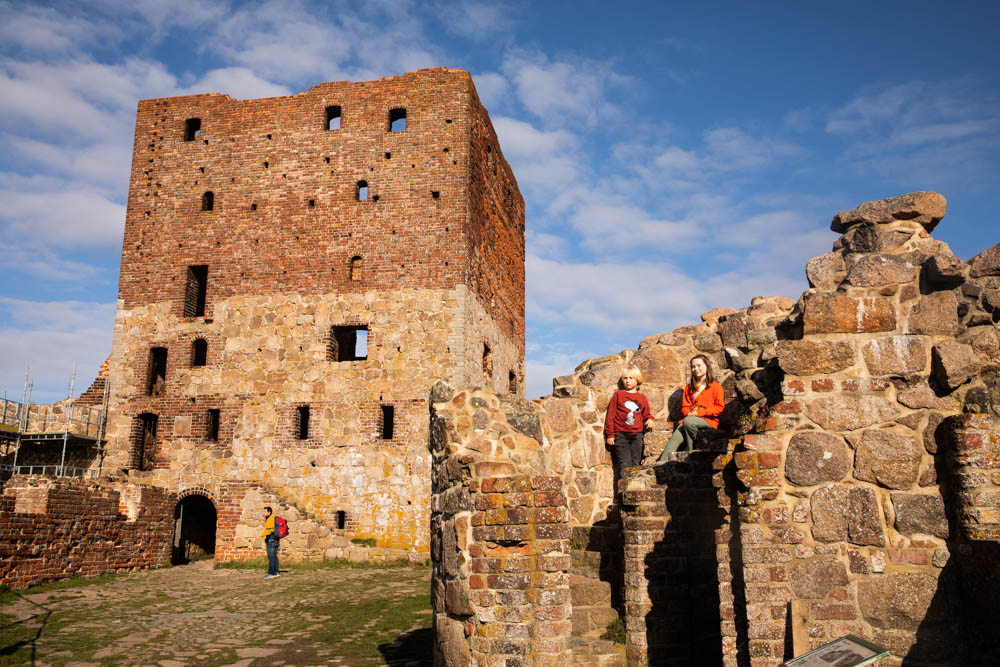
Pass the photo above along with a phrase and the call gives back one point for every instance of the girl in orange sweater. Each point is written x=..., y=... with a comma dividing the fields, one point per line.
x=701, y=405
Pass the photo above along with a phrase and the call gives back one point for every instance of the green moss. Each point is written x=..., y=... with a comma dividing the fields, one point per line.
x=615, y=632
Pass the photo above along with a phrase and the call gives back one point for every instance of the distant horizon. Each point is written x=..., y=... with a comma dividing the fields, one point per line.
x=673, y=159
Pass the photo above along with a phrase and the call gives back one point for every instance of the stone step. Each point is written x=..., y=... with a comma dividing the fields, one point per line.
x=596, y=564
x=589, y=652
x=597, y=538
x=592, y=622
x=589, y=592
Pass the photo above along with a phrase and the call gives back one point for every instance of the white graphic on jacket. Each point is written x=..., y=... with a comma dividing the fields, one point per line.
x=633, y=407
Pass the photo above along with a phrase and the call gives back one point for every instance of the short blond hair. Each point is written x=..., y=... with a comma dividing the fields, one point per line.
x=634, y=372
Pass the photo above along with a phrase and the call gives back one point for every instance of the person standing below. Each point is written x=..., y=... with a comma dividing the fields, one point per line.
x=270, y=544
x=701, y=405
x=628, y=417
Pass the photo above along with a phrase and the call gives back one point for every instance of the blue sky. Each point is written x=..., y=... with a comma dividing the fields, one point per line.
x=674, y=156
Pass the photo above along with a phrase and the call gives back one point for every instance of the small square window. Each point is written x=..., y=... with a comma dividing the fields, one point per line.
x=348, y=343
x=397, y=120
x=333, y=117
x=192, y=129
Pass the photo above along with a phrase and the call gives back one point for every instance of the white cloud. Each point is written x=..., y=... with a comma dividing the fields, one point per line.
x=238, y=82
x=611, y=295
x=476, y=20
x=675, y=160
x=64, y=218
x=79, y=99
x=51, y=337
x=921, y=134
x=44, y=29
x=543, y=161
x=563, y=93
x=613, y=224
x=492, y=88
x=289, y=42
x=40, y=262
x=734, y=148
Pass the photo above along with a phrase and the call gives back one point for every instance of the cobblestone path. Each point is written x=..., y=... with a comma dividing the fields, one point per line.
x=197, y=615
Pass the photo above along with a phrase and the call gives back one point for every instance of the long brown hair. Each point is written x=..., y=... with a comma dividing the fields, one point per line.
x=709, y=375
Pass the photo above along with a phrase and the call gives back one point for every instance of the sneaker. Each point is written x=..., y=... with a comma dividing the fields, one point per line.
x=270, y=576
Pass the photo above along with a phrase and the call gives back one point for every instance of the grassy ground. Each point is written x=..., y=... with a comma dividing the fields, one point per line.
x=336, y=613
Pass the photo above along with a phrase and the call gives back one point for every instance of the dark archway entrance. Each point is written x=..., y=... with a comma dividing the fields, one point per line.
x=194, y=529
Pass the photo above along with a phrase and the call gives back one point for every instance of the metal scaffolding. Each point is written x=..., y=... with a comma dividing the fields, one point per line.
x=25, y=424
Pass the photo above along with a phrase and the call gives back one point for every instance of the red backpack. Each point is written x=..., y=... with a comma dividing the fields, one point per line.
x=280, y=527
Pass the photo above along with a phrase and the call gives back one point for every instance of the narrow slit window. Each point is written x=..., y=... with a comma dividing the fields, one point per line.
x=341, y=519
x=511, y=382
x=362, y=193
x=212, y=427
x=388, y=417
x=195, y=291
x=487, y=361
x=208, y=201
x=302, y=422
x=397, y=120
x=192, y=129
x=357, y=265
x=199, y=352
x=348, y=343
x=143, y=442
x=157, y=371
x=333, y=117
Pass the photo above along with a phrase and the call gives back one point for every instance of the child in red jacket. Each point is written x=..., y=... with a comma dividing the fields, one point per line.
x=701, y=405
x=628, y=416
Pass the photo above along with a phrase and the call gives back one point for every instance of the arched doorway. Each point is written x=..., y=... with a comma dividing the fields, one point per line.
x=194, y=529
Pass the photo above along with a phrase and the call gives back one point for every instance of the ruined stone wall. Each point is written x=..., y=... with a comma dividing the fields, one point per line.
x=54, y=529
x=851, y=488
x=293, y=249
x=500, y=536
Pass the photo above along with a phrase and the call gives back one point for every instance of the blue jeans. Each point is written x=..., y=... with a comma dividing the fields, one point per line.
x=271, y=544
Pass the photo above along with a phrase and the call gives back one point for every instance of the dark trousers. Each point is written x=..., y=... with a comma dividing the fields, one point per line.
x=627, y=453
x=271, y=544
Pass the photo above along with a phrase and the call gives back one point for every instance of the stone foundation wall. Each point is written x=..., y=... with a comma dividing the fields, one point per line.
x=268, y=358
x=500, y=537
x=54, y=529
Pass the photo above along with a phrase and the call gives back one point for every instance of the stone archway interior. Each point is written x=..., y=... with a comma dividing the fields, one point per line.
x=194, y=529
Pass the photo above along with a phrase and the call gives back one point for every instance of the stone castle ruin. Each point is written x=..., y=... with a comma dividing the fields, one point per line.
x=296, y=273
x=305, y=278
x=852, y=488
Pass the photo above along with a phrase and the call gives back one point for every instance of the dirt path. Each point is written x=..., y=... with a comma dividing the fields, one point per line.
x=197, y=615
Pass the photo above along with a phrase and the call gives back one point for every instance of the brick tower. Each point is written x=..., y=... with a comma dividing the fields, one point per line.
x=296, y=274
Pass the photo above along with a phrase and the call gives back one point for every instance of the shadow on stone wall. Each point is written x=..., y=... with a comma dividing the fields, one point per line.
x=978, y=567
x=683, y=568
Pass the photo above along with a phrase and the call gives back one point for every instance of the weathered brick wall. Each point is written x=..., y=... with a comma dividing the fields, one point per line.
x=279, y=243
x=975, y=452
x=500, y=536
x=53, y=529
x=682, y=558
